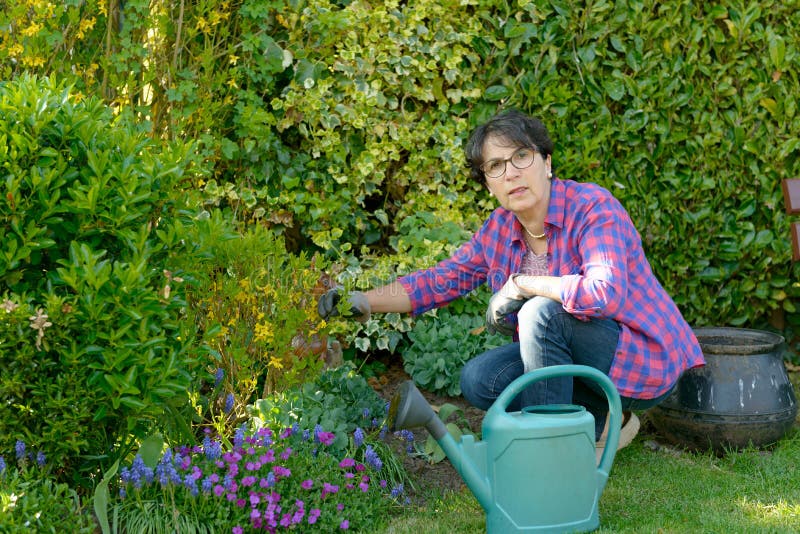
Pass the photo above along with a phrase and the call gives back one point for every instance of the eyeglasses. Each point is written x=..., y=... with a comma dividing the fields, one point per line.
x=521, y=159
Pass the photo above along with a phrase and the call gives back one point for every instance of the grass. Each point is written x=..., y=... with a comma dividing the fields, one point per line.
x=662, y=490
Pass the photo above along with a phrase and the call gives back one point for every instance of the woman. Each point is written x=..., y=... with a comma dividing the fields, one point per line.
x=571, y=283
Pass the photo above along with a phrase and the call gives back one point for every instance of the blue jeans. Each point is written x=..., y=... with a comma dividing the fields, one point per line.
x=548, y=335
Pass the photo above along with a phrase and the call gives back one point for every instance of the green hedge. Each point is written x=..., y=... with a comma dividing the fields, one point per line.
x=334, y=121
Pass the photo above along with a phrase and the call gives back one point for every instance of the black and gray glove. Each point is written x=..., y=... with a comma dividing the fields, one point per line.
x=328, y=304
x=502, y=305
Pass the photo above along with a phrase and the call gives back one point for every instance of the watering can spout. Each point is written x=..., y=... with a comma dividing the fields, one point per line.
x=409, y=409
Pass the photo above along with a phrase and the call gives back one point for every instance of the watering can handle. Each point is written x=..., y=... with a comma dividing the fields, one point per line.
x=584, y=371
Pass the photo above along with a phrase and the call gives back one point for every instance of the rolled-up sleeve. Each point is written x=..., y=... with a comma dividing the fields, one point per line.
x=599, y=286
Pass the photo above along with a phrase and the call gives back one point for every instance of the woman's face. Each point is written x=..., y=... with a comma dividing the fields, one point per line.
x=522, y=191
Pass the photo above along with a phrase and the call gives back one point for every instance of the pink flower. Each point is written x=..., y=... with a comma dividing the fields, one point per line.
x=313, y=515
x=240, y=503
x=218, y=490
x=344, y=525
x=281, y=471
x=360, y=467
x=286, y=453
x=340, y=507
x=307, y=484
x=254, y=499
x=326, y=438
x=328, y=488
x=364, y=486
x=267, y=457
x=347, y=462
x=248, y=481
x=237, y=530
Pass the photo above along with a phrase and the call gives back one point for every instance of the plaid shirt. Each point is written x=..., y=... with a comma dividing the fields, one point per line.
x=595, y=249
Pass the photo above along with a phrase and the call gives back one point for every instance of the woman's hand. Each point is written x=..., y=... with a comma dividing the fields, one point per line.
x=328, y=304
x=505, y=302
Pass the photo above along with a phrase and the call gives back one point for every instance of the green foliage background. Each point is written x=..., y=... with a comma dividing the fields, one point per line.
x=334, y=121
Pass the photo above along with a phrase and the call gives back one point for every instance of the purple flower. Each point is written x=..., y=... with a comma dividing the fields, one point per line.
x=218, y=376
x=397, y=491
x=2, y=466
x=365, y=413
x=313, y=515
x=281, y=471
x=344, y=525
x=218, y=490
x=229, y=403
x=372, y=458
x=40, y=459
x=358, y=437
x=19, y=448
x=237, y=530
x=347, y=462
x=307, y=484
x=286, y=453
x=212, y=449
x=238, y=436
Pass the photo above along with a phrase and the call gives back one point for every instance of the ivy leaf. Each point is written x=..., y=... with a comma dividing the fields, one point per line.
x=496, y=93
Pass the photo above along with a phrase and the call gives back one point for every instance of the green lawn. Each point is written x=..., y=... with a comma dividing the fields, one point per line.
x=663, y=490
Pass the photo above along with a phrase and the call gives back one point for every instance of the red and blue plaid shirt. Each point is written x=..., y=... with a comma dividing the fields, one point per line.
x=595, y=249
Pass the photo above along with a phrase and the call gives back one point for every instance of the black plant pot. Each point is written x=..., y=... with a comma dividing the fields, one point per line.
x=742, y=397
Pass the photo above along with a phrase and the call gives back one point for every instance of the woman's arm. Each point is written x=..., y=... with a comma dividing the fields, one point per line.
x=389, y=298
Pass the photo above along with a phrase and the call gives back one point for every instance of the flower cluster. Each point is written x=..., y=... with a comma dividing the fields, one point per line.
x=23, y=456
x=268, y=480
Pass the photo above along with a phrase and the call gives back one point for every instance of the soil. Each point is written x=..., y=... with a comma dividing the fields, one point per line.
x=430, y=478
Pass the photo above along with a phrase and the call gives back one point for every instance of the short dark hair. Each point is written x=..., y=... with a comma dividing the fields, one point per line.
x=518, y=129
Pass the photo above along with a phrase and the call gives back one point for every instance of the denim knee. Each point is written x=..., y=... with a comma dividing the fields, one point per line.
x=538, y=311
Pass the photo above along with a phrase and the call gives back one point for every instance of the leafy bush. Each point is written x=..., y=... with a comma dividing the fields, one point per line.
x=254, y=304
x=339, y=400
x=31, y=501
x=92, y=350
x=440, y=345
x=275, y=481
x=335, y=121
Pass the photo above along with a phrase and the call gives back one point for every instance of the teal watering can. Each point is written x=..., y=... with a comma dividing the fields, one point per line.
x=534, y=470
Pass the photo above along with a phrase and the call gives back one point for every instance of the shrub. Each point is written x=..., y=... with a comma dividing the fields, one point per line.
x=339, y=400
x=31, y=501
x=255, y=307
x=91, y=346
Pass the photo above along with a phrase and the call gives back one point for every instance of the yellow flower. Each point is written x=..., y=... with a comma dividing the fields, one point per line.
x=275, y=363
x=31, y=30
x=84, y=26
x=263, y=332
x=34, y=61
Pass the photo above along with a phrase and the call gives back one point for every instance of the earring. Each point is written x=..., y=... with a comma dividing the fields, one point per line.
x=549, y=173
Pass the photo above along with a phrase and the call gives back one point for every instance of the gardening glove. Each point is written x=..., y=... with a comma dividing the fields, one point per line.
x=328, y=304
x=502, y=305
